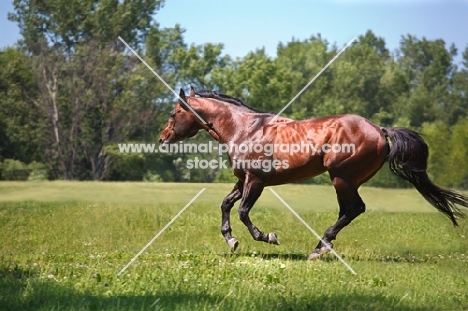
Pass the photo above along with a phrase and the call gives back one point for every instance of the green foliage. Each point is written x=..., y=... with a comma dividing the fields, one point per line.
x=458, y=161
x=87, y=91
x=19, y=136
x=386, y=179
x=81, y=20
x=125, y=166
x=438, y=135
x=448, y=155
x=323, y=179
x=139, y=166
x=38, y=172
x=225, y=176
x=429, y=67
x=301, y=61
x=11, y=169
x=14, y=170
x=150, y=177
x=256, y=79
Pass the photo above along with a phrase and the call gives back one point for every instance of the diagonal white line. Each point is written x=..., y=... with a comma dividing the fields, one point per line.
x=160, y=232
x=162, y=80
x=311, y=81
x=313, y=231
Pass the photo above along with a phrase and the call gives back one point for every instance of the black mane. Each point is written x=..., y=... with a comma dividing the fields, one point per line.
x=226, y=98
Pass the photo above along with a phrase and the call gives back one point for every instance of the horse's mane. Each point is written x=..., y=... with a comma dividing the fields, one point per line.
x=227, y=99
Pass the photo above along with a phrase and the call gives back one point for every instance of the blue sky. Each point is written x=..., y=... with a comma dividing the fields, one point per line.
x=244, y=25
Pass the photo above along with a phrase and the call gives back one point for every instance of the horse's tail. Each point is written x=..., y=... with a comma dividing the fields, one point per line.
x=408, y=159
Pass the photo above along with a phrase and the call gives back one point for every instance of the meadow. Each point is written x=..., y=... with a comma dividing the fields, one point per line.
x=63, y=243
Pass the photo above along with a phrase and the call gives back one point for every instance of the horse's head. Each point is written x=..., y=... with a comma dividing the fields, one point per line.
x=182, y=122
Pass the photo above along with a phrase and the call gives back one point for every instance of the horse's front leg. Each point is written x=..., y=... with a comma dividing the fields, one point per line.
x=253, y=188
x=226, y=207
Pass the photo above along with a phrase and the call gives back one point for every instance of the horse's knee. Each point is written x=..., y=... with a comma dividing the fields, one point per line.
x=228, y=202
x=225, y=205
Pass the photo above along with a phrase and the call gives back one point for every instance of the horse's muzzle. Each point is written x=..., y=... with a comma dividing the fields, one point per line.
x=166, y=136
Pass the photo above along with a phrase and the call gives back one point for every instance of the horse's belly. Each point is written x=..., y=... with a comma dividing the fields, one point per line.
x=294, y=172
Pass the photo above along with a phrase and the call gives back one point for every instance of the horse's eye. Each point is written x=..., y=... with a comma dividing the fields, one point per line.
x=172, y=115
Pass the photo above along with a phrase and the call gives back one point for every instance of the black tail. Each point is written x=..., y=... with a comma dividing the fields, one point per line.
x=408, y=160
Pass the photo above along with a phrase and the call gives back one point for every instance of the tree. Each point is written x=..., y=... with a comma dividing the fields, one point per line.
x=459, y=156
x=299, y=62
x=85, y=82
x=437, y=136
x=459, y=90
x=195, y=66
x=429, y=68
x=72, y=22
x=18, y=126
x=256, y=79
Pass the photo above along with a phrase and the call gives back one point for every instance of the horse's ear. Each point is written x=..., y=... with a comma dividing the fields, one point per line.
x=182, y=94
x=182, y=99
x=192, y=91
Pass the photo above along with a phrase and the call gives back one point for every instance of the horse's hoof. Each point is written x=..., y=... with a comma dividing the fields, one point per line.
x=233, y=244
x=314, y=256
x=325, y=249
x=317, y=254
x=273, y=239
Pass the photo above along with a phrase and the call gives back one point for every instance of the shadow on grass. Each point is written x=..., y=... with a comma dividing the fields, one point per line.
x=298, y=257
x=290, y=256
x=402, y=256
x=23, y=290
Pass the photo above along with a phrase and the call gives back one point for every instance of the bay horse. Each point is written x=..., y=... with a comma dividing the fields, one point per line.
x=229, y=121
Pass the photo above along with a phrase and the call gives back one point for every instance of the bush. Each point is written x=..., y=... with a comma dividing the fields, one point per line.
x=37, y=172
x=11, y=169
x=152, y=177
x=14, y=170
x=225, y=176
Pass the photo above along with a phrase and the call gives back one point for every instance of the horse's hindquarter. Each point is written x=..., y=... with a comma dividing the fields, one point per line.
x=363, y=149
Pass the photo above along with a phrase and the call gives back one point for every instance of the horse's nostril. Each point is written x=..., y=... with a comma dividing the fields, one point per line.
x=160, y=140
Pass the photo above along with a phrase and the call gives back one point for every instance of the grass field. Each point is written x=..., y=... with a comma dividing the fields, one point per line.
x=63, y=243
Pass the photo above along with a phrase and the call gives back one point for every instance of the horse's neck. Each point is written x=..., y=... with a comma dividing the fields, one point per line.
x=225, y=121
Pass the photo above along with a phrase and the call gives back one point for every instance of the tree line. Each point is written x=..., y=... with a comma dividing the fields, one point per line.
x=71, y=92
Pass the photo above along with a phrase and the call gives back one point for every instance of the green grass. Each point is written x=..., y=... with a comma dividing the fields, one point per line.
x=62, y=245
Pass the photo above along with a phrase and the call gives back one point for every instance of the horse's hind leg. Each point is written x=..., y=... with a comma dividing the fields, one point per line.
x=226, y=207
x=253, y=188
x=351, y=206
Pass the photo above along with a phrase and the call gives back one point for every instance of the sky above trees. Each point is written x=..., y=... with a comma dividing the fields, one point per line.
x=243, y=25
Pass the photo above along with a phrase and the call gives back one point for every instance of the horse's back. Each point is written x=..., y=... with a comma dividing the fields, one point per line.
x=338, y=128
x=342, y=142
